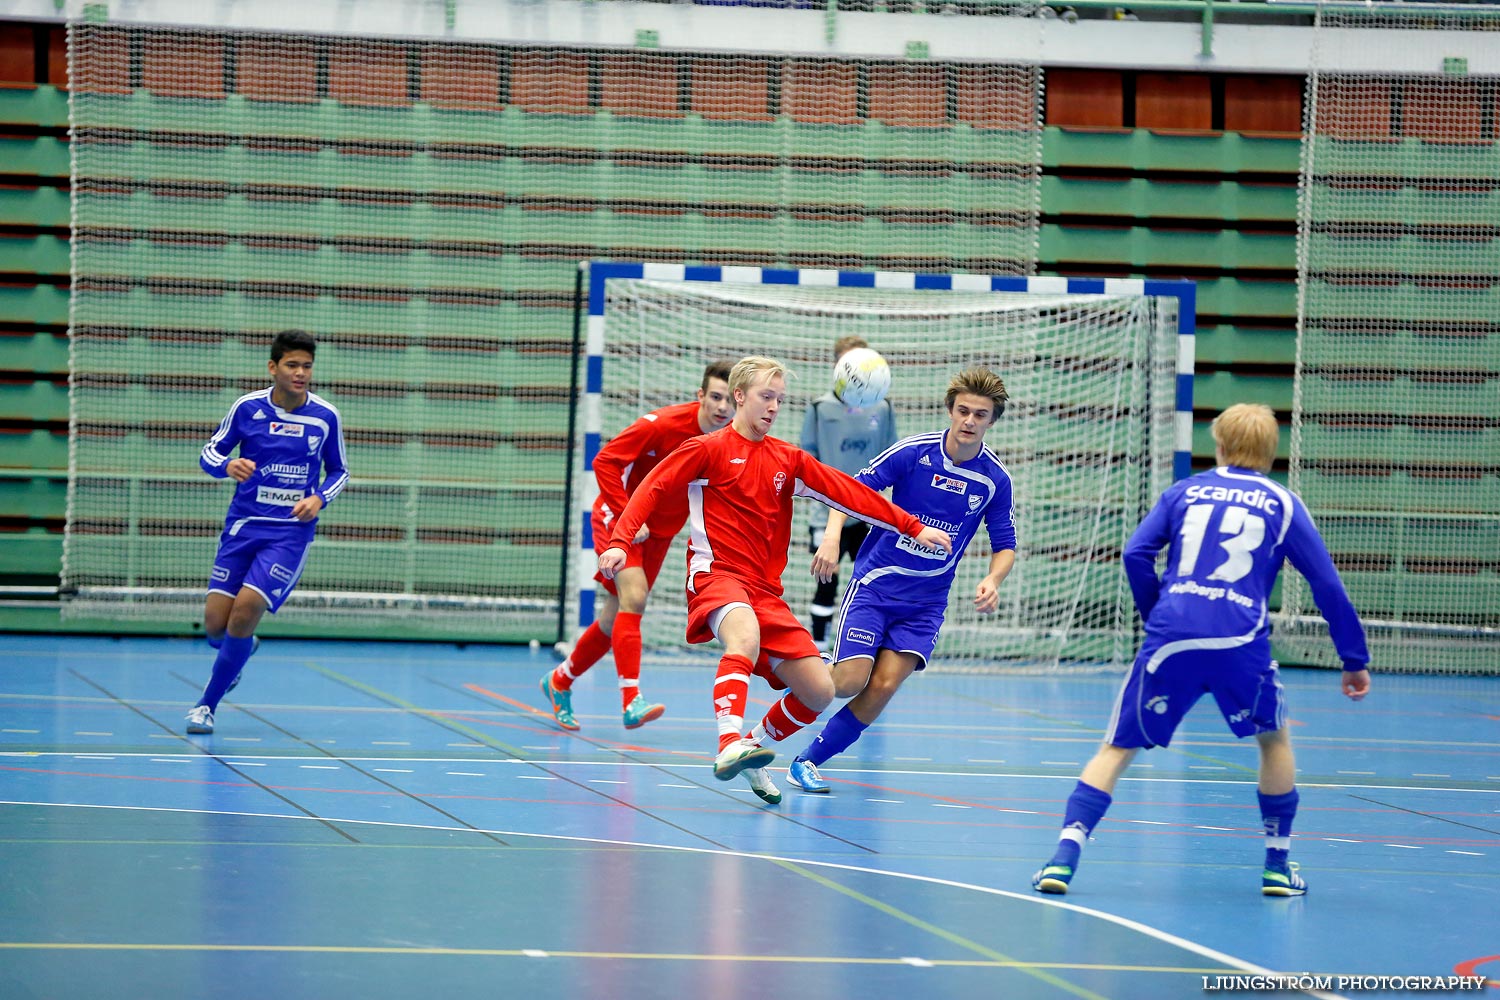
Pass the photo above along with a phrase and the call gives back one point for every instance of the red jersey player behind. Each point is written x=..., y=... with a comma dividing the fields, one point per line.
x=619, y=469
x=739, y=484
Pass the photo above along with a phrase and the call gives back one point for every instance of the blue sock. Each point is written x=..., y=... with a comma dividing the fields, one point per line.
x=215, y=643
x=233, y=652
x=1277, y=812
x=838, y=735
x=1086, y=807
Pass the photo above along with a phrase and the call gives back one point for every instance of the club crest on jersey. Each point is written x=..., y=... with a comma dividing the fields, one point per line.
x=779, y=482
x=312, y=441
x=942, y=482
x=281, y=428
x=974, y=501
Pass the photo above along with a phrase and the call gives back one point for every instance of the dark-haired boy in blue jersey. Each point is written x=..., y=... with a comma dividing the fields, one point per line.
x=1227, y=532
x=898, y=594
x=287, y=439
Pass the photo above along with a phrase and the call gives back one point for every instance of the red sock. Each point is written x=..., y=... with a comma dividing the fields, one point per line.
x=586, y=652
x=785, y=717
x=627, y=646
x=731, y=692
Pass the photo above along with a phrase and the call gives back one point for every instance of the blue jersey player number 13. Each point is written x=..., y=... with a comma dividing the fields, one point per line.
x=289, y=467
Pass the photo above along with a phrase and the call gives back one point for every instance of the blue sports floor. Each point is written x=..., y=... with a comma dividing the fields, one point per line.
x=404, y=821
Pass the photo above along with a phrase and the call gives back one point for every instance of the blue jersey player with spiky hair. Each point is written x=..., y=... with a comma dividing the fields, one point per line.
x=289, y=467
x=1226, y=532
x=898, y=596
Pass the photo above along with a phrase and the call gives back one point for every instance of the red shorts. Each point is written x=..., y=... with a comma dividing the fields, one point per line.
x=648, y=555
x=782, y=636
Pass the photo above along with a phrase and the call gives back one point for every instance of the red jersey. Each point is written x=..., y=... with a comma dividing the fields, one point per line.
x=623, y=464
x=739, y=494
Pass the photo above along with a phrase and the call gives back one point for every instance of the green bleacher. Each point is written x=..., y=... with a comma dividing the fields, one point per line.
x=557, y=186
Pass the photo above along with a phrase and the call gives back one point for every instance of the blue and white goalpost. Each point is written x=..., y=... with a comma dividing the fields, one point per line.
x=1099, y=421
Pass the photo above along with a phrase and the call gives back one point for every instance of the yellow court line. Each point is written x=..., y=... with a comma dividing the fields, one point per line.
x=316, y=949
x=995, y=957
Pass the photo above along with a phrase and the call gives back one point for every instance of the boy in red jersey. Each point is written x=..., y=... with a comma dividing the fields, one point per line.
x=619, y=469
x=739, y=484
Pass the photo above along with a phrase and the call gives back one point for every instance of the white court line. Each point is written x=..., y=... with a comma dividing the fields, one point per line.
x=244, y=763
x=889, y=802
x=676, y=786
x=320, y=767
x=606, y=781
x=1029, y=898
x=393, y=770
x=947, y=805
x=469, y=774
x=536, y=777
x=1472, y=854
x=1221, y=829
x=85, y=732
x=1404, y=847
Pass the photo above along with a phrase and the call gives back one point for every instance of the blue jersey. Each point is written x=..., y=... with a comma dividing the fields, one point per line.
x=288, y=449
x=1227, y=532
x=954, y=497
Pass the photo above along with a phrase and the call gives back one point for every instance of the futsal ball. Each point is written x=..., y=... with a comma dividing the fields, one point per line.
x=861, y=378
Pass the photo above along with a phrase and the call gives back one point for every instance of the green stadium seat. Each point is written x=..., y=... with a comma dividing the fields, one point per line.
x=1217, y=390
x=34, y=495
x=1434, y=392
x=33, y=401
x=1141, y=149
x=34, y=449
x=40, y=255
x=1224, y=344
x=46, y=206
x=34, y=553
x=41, y=106
x=1140, y=198
x=42, y=353
x=40, y=304
x=35, y=156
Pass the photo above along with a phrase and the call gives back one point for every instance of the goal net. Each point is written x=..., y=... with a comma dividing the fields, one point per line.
x=1090, y=435
x=1395, y=445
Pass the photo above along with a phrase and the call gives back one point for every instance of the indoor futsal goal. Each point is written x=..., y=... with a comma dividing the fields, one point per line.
x=1098, y=423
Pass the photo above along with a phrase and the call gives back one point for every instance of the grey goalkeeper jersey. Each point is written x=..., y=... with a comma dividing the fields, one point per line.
x=847, y=439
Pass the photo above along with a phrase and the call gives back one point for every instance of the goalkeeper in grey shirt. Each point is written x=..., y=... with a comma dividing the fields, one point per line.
x=847, y=439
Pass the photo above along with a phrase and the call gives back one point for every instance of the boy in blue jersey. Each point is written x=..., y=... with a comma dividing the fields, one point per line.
x=898, y=596
x=286, y=436
x=847, y=439
x=1227, y=532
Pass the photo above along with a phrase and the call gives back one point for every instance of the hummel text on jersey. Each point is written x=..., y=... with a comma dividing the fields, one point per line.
x=1262, y=499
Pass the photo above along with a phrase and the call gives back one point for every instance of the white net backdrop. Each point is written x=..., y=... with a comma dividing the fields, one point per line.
x=420, y=206
x=1087, y=435
x=1396, y=439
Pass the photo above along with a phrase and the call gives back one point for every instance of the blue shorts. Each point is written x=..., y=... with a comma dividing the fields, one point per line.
x=1244, y=681
x=869, y=623
x=267, y=560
